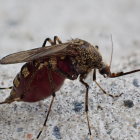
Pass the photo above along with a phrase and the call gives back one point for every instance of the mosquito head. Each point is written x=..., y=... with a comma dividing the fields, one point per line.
x=105, y=70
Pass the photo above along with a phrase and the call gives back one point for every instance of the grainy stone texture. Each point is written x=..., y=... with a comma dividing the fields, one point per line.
x=25, y=24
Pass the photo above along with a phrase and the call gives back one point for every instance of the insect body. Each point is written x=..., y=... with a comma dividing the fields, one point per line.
x=37, y=80
x=47, y=68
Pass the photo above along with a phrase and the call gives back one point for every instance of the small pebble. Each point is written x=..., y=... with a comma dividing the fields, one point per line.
x=128, y=103
x=56, y=132
x=136, y=83
x=78, y=106
x=136, y=125
x=29, y=136
x=20, y=129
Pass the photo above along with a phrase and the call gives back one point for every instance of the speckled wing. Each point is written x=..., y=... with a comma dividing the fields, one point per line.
x=37, y=53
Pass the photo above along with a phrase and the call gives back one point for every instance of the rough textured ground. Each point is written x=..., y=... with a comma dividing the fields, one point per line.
x=25, y=24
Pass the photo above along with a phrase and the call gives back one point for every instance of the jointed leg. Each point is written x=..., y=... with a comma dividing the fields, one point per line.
x=6, y=88
x=56, y=40
x=86, y=101
x=44, y=125
x=94, y=79
x=53, y=96
x=47, y=40
x=6, y=102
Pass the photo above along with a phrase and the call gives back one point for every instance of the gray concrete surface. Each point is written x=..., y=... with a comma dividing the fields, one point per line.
x=25, y=24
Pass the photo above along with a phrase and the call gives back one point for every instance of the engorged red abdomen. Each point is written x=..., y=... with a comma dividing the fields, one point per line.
x=34, y=84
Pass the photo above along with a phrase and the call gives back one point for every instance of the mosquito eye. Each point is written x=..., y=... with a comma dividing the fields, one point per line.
x=102, y=71
x=97, y=47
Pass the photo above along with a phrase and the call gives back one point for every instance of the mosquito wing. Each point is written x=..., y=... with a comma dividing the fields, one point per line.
x=33, y=54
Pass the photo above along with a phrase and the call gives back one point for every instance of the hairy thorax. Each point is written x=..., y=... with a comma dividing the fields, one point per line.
x=87, y=59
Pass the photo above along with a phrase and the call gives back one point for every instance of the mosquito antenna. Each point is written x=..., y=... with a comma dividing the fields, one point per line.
x=111, y=51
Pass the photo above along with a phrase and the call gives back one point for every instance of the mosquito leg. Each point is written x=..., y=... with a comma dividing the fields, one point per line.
x=6, y=88
x=5, y=102
x=44, y=125
x=56, y=39
x=47, y=40
x=53, y=96
x=86, y=101
x=94, y=79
